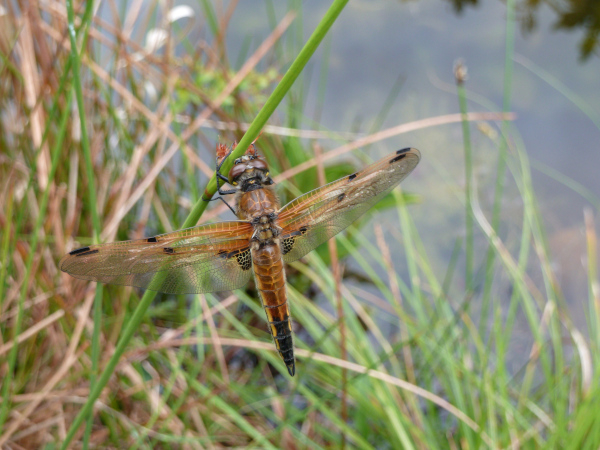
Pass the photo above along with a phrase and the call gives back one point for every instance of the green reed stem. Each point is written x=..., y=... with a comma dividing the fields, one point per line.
x=92, y=201
x=462, y=100
x=6, y=234
x=501, y=168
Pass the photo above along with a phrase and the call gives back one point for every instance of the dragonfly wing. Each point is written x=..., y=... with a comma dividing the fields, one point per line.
x=318, y=215
x=207, y=258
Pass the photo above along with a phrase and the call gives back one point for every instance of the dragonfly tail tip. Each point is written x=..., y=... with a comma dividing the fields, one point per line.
x=291, y=368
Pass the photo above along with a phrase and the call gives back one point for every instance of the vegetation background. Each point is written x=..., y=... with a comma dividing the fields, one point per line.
x=454, y=320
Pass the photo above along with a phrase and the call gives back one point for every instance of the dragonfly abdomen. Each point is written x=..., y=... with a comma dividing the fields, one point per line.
x=270, y=282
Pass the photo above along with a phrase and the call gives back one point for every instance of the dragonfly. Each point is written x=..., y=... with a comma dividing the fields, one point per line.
x=224, y=256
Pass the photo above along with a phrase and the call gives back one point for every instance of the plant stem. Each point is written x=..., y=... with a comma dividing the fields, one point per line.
x=460, y=74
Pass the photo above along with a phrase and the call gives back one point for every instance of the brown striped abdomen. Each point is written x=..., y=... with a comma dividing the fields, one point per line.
x=270, y=281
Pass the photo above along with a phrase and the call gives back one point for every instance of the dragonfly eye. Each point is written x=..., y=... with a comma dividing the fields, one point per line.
x=235, y=172
x=260, y=164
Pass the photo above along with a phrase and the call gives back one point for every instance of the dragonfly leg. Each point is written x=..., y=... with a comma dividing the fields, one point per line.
x=224, y=201
x=219, y=189
x=219, y=165
x=221, y=177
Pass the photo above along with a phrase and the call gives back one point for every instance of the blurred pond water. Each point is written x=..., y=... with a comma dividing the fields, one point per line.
x=376, y=44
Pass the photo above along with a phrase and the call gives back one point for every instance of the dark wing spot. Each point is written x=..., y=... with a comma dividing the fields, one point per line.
x=79, y=250
x=397, y=158
x=169, y=250
x=244, y=259
x=341, y=197
x=226, y=254
x=152, y=239
x=288, y=241
x=288, y=244
x=404, y=150
x=352, y=177
x=91, y=252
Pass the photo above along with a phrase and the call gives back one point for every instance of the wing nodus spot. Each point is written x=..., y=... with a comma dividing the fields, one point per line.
x=169, y=250
x=79, y=250
x=352, y=177
x=397, y=158
x=152, y=239
x=91, y=252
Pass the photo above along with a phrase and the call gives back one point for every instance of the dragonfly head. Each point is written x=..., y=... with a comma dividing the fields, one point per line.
x=249, y=172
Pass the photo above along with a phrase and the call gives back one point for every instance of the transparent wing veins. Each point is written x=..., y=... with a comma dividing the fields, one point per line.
x=318, y=215
x=207, y=258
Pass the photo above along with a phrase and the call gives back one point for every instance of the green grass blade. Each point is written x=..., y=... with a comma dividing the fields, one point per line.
x=462, y=99
x=12, y=357
x=93, y=204
x=502, y=154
